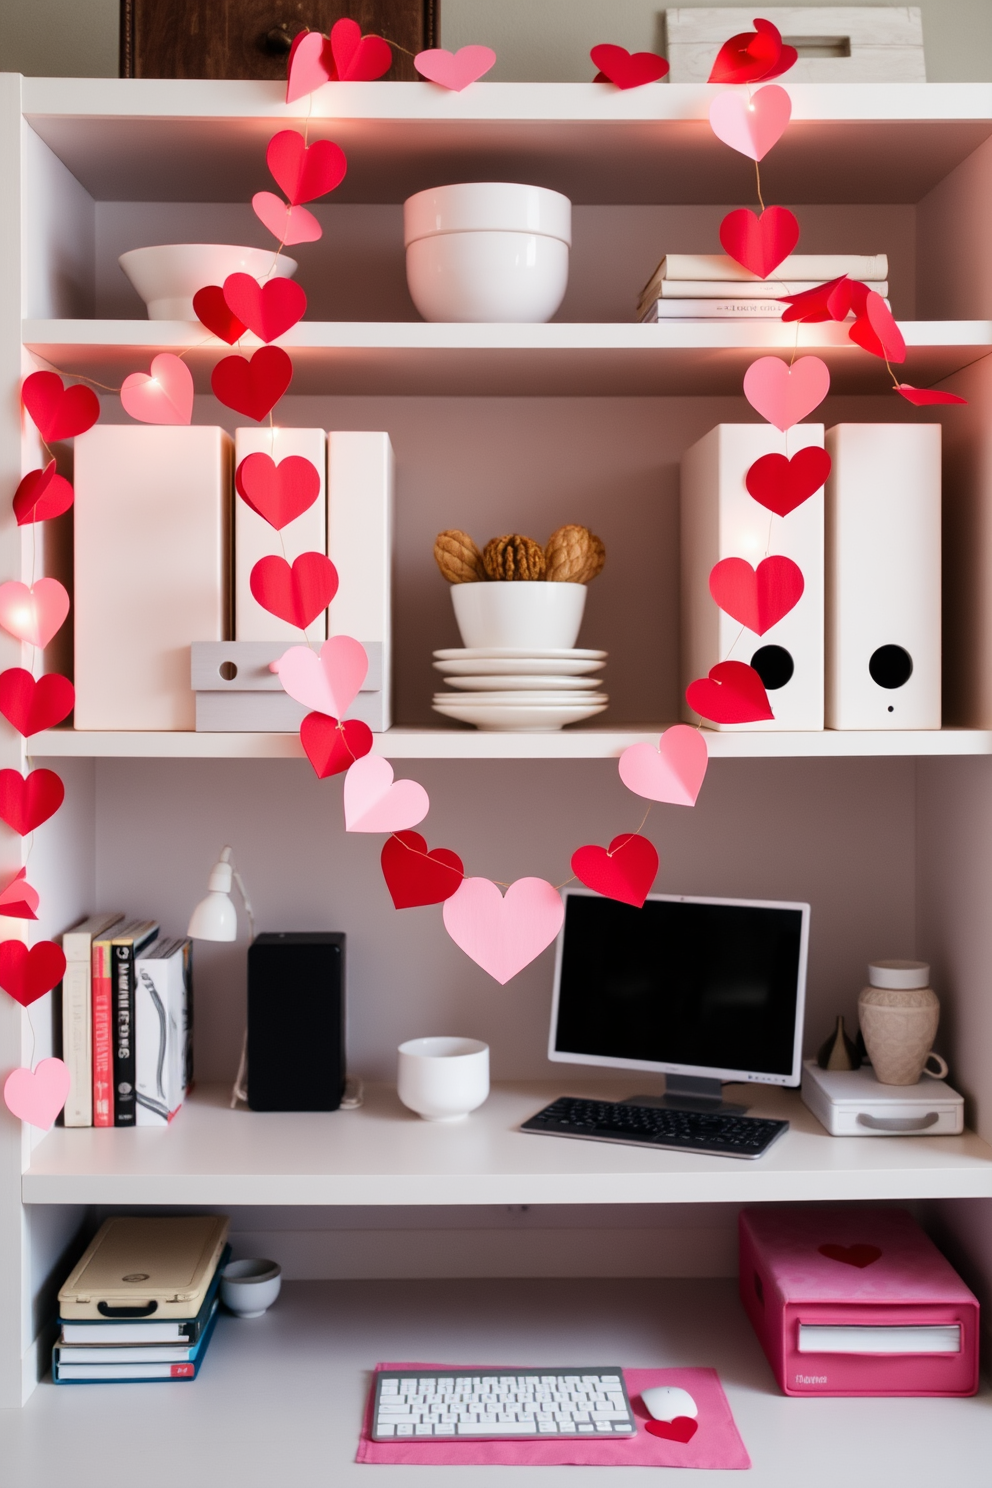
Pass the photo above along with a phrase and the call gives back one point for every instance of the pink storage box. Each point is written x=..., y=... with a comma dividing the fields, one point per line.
x=856, y=1302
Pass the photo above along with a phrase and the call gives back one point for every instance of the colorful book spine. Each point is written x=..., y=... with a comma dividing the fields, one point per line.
x=77, y=1015
x=163, y=1030
x=103, y=1039
x=125, y=949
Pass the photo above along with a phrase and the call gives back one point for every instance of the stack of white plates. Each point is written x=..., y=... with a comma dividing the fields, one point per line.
x=504, y=688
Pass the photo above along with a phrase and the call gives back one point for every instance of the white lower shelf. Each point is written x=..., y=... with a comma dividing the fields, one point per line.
x=382, y=1154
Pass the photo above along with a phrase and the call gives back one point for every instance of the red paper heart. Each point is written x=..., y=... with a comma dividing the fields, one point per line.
x=278, y=493
x=267, y=309
x=42, y=494
x=28, y=974
x=681, y=1429
x=309, y=64
x=298, y=594
x=781, y=484
x=625, y=870
x=875, y=330
x=415, y=876
x=830, y=301
x=31, y=706
x=923, y=397
x=26, y=802
x=358, y=58
x=852, y=1255
x=252, y=387
x=732, y=693
x=304, y=172
x=213, y=311
x=59, y=412
x=757, y=597
x=753, y=56
x=332, y=746
x=627, y=69
x=759, y=243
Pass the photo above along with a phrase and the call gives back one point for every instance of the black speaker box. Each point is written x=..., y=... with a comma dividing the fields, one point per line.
x=296, y=1022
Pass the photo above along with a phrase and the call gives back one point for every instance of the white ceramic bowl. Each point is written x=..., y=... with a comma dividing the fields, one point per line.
x=249, y=1288
x=443, y=1079
x=525, y=613
x=169, y=276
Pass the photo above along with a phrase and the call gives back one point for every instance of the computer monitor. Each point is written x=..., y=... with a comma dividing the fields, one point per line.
x=702, y=990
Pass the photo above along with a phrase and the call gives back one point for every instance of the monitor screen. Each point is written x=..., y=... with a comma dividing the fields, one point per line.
x=708, y=987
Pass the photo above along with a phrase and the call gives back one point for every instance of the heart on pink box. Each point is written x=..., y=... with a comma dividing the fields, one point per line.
x=782, y=394
x=455, y=70
x=673, y=773
x=374, y=802
x=326, y=683
x=37, y=1096
x=751, y=126
x=288, y=225
x=162, y=396
x=33, y=612
x=503, y=933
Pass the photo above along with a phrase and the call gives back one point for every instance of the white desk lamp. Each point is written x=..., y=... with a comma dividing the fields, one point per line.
x=215, y=918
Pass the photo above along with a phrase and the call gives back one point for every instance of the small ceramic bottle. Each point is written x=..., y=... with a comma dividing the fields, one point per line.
x=899, y=1013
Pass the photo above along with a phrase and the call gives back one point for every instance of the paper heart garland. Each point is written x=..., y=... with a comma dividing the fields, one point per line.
x=33, y=612
x=751, y=127
x=503, y=933
x=752, y=56
x=757, y=597
x=625, y=870
x=26, y=974
x=680, y=1429
x=41, y=495
x=270, y=309
x=455, y=70
x=329, y=682
x=358, y=58
x=309, y=65
x=731, y=693
x=759, y=243
x=19, y=901
x=875, y=330
x=252, y=386
x=782, y=394
x=415, y=876
x=830, y=301
x=852, y=1255
x=27, y=801
x=627, y=69
x=288, y=225
x=924, y=397
x=331, y=746
x=673, y=772
x=281, y=492
x=780, y=484
x=298, y=594
x=374, y=802
x=162, y=396
x=59, y=412
x=301, y=171
x=31, y=706
x=37, y=1096
x=212, y=310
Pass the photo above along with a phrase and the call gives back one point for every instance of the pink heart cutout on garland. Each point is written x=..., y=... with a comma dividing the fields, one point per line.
x=162, y=396
x=375, y=802
x=288, y=225
x=33, y=613
x=732, y=693
x=625, y=870
x=278, y=493
x=328, y=683
x=455, y=70
x=757, y=598
x=759, y=243
x=503, y=933
x=673, y=772
x=782, y=394
x=298, y=594
x=42, y=495
x=301, y=171
x=310, y=65
x=37, y=1096
x=331, y=746
x=26, y=975
x=751, y=127
x=19, y=901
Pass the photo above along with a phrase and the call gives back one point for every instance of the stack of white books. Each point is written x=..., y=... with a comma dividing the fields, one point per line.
x=712, y=286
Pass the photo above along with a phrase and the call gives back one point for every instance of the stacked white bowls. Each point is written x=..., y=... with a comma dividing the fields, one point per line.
x=168, y=276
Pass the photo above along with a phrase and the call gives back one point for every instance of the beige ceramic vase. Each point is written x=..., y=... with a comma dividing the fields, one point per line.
x=899, y=1013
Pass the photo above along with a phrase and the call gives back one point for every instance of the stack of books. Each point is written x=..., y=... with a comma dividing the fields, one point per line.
x=142, y=1302
x=712, y=286
x=127, y=1023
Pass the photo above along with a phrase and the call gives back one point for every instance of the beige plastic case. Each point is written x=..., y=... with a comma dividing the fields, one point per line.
x=156, y=1267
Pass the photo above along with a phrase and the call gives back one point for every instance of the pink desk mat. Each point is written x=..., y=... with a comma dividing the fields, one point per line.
x=716, y=1444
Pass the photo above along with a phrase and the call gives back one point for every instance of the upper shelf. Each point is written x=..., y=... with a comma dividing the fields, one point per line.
x=155, y=140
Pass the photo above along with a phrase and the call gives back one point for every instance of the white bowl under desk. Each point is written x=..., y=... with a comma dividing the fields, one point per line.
x=382, y=1154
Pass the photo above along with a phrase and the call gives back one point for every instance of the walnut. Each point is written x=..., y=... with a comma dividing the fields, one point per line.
x=514, y=557
x=574, y=555
x=458, y=558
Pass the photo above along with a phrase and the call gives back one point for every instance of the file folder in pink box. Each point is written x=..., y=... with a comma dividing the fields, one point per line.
x=852, y=1301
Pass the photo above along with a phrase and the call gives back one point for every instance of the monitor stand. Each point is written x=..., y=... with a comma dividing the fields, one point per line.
x=689, y=1093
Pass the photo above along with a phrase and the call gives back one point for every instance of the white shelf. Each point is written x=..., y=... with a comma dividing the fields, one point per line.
x=382, y=1154
x=578, y=359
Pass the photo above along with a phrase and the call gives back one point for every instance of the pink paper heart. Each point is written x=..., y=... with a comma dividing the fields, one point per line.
x=455, y=70
x=503, y=933
x=288, y=225
x=33, y=613
x=673, y=772
x=162, y=396
x=374, y=802
x=19, y=900
x=37, y=1096
x=751, y=127
x=328, y=683
x=782, y=394
x=310, y=65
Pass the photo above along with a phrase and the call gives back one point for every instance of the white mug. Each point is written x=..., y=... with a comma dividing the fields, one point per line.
x=442, y=1079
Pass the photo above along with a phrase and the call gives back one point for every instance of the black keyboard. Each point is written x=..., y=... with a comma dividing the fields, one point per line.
x=657, y=1126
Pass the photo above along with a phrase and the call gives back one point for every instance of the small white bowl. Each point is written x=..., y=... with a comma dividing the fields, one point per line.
x=167, y=277
x=526, y=613
x=250, y=1287
x=443, y=1079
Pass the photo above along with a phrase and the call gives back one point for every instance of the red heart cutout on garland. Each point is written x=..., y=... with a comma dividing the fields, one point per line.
x=27, y=802
x=213, y=311
x=309, y=64
x=875, y=330
x=304, y=172
x=757, y=597
x=852, y=1255
x=627, y=69
x=415, y=876
x=625, y=870
x=830, y=301
x=731, y=693
x=271, y=309
x=298, y=594
x=358, y=58
x=753, y=56
x=28, y=974
x=252, y=386
x=332, y=746
x=780, y=484
x=42, y=494
x=759, y=243
x=681, y=1429
x=922, y=397
x=31, y=706
x=59, y=412
x=278, y=493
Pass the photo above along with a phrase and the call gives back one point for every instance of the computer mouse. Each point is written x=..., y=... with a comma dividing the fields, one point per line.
x=665, y=1402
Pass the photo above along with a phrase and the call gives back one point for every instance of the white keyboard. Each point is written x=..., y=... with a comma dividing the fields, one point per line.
x=538, y=1403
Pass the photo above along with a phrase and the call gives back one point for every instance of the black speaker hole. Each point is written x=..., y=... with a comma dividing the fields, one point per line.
x=774, y=666
x=890, y=666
